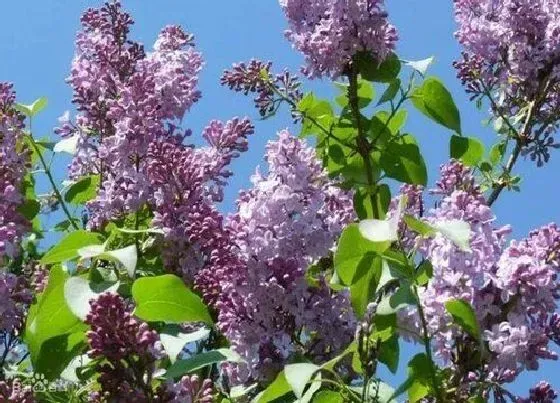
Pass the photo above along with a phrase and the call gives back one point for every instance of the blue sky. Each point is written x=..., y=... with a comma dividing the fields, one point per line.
x=36, y=44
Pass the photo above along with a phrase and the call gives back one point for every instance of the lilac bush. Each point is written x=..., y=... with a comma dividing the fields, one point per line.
x=154, y=293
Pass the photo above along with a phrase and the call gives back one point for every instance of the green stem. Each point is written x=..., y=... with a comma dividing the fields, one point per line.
x=521, y=140
x=427, y=346
x=364, y=147
x=52, y=182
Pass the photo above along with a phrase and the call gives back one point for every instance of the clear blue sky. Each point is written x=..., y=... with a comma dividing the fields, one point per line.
x=36, y=47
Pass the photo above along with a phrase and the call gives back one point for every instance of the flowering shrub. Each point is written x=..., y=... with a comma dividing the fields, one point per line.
x=302, y=292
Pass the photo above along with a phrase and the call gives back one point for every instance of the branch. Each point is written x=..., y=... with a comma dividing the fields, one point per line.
x=52, y=182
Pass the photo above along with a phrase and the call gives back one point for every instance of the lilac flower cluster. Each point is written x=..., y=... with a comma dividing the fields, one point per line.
x=127, y=346
x=126, y=99
x=331, y=32
x=14, y=299
x=13, y=164
x=289, y=219
x=191, y=390
x=186, y=183
x=271, y=89
x=15, y=392
x=512, y=53
x=541, y=393
x=514, y=291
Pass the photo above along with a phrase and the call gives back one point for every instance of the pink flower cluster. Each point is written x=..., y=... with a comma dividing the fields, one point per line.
x=13, y=165
x=330, y=33
x=514, y=290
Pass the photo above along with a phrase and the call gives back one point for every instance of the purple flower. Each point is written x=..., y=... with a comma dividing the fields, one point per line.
x=125, y=347
x=271, y=90
x=14, y=392
x=191, y=390
x=13, y=165
x=330, y=33
x=290, y=218
x=541, y=393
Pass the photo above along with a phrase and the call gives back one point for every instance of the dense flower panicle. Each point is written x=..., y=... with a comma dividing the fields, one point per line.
x=290, y=218
x=14, y=300
x=13, y=164
x=126, y=100
x=256, y=77
x=512, y=53
x=175, y=65
x=191, y=390
x=15, y=392
x=122, y=341
x=514, y=290
x=457, y=273
x=455, y=176
x=331, y=32
x=541, y=393
x=186, y=181
x=527, y=277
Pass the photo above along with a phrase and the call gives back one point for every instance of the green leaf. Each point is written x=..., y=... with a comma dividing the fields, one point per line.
x=78, y=291
x=404, y=162
x=167, y=299
x=83, y=191
x=67, y=145
x=278, y=388
x=127, y=256
x=299, y=375
x=29, y=209
x=419, y=369
x=67, y=248
x=466, y=149
x=457, y=231
x=464, y=316
x=391, y=92
x=421, y=66
x=364, y=289
x=436, y=102
x=351, y=249
x=33, y=109
x=389, y=353
x=57, y=352
x=419, y=226
x=366, y=93
x=199, y=361
x=50, y=317
x=372, y=70
x=424, y=273
x=328, y=396
x=497, y=152
x=174, y=339
x=392, y=303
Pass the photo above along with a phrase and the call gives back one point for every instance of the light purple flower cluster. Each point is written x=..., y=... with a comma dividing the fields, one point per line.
x=271, y=89
x=514, y=291
x=15, y=392
x=191, y=390
x=289, y=219
x=331, y=32
x=127, y=346
x=13, y=164
x=512, y=50
x=126, y=99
